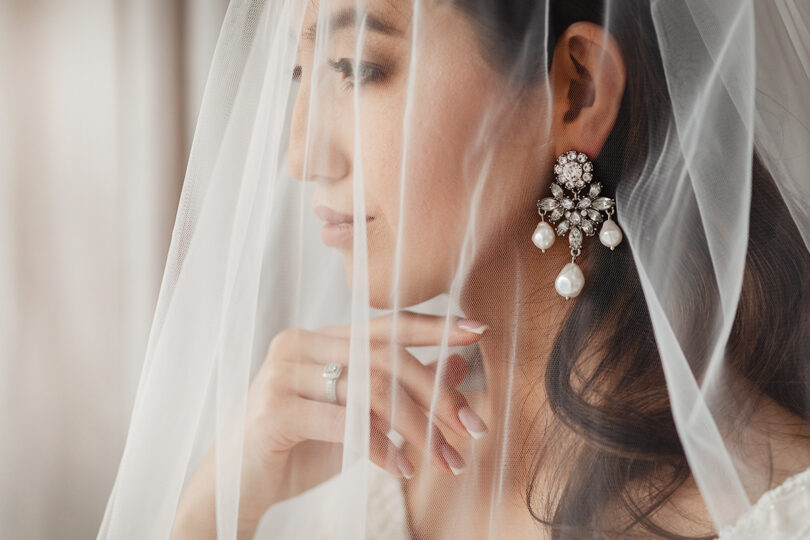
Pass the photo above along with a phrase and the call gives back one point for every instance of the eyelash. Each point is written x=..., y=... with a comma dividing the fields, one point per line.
x=369, y=71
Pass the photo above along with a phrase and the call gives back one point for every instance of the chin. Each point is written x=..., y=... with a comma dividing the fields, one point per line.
x=379, y=296
x=380, y=285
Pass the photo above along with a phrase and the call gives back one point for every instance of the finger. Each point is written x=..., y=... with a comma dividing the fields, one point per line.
x=453, y=373
x=385, y=454
x=416, y=329
x=315, y=420
x=308, y=384
x=449, y=405
x=454, y=369
x=383, y=426
x=392, y=404
x=433, y=394
x=307, y=381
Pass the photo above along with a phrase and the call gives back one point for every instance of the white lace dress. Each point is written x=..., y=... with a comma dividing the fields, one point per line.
x=782, y=513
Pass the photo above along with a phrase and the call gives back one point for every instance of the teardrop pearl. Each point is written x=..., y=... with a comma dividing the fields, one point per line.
x=543, y=236
x=610, y=234
x=570, y=281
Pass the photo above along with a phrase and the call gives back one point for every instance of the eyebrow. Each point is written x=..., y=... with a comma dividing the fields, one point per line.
x=347, y=18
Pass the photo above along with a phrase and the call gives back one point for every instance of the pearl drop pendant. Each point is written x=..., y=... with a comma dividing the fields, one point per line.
x=610, y=235
x=570, y=281
x=576, y=207
x=543, y=236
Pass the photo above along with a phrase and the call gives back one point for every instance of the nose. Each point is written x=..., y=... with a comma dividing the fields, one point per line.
x=317, y=148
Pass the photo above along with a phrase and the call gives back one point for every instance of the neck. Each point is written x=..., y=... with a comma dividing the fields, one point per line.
x=513, y=292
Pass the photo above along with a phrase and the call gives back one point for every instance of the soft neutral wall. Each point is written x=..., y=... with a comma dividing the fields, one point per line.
x=98, y=100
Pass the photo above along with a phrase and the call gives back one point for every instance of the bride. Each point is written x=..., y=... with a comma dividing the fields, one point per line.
x=561, y=288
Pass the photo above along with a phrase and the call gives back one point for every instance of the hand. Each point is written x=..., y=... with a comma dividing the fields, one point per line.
x=287, y=405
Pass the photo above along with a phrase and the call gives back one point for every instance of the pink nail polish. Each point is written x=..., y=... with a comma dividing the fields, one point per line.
x=453, y=459
x=405, y=466
x=472, y=422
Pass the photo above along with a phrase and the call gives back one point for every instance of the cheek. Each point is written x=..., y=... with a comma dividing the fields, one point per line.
x=437, y=161
x=445, y=157
x=433, y=201
x=440, y=163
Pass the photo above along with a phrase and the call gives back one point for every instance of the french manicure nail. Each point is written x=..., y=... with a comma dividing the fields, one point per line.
x=453, y=459
x=472, y=422
x=470, y=325
x=405, y=466
x=396, y=438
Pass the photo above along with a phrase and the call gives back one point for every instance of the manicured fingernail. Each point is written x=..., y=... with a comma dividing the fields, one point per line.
x=475, y=426
x=405, y=466
x=470, y=325
x=453, y=459
x=396, y=438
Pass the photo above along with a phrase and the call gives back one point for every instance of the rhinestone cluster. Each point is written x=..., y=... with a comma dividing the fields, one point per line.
x=580, y=214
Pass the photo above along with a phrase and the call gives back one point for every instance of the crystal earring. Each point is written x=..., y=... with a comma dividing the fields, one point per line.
x=581, y=214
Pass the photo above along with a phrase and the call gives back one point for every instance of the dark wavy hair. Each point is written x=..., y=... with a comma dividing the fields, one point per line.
x=617, y=405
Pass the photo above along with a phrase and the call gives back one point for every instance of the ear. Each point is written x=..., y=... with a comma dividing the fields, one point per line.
x=587, y=79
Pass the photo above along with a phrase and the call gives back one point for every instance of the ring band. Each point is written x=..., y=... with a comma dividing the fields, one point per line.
x=331, y=372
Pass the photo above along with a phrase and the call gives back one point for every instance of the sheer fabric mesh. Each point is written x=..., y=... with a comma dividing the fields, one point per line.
x=681, y=367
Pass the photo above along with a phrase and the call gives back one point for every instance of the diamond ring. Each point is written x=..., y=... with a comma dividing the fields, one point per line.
x=331, y=372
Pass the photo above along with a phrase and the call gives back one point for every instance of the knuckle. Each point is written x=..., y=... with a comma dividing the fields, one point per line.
x=379, y=385
x=378, y=352
x=279, y=342
x=270, y=415
x=283, y=342
x=382, y=356
x=275, y=376
x=285, y=432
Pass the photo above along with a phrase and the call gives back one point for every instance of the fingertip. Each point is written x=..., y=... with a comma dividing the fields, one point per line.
x=472, y=326
x=453, y=459
x=405, y=466
x=472, y=422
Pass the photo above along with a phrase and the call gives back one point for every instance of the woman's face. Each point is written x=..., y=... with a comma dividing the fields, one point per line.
x=429, y=129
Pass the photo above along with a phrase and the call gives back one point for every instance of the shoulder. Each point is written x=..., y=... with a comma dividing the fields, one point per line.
x=779, y=513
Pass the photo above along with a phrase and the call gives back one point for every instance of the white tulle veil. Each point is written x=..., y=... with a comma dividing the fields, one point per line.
x=721, y=163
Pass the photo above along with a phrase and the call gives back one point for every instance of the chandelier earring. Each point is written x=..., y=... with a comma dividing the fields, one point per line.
x=578, y=214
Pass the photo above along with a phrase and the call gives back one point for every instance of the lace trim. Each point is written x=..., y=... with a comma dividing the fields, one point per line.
x=385, y=519
x=767, y=502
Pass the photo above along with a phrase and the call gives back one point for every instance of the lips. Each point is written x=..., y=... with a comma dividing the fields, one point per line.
x=324, y=213
x=339, y=227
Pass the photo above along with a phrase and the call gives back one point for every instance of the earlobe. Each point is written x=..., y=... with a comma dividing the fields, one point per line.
x=587, y=81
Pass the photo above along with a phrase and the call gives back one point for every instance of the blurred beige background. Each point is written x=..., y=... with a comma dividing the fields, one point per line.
x=98, y=100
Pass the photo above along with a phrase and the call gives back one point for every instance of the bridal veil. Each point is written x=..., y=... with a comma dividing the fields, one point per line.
x=698, y=319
